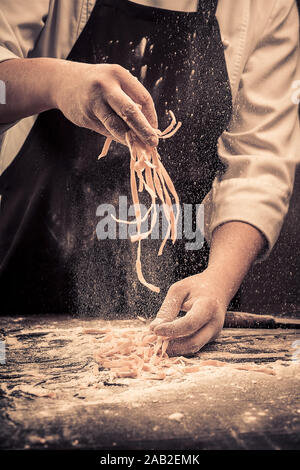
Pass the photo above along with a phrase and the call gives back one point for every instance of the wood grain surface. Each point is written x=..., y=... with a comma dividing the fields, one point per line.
x=53, y=396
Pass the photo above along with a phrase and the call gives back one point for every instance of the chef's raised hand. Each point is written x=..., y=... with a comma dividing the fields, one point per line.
x=108, y=99
x=104, y=97
x=203, y=321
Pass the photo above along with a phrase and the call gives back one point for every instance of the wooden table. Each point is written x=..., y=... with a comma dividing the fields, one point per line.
x=52, y=399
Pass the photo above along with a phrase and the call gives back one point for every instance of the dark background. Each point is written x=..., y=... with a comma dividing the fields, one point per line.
x=273, y=286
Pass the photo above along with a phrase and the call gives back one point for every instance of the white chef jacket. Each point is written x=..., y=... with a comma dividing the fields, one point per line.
x=262, y=144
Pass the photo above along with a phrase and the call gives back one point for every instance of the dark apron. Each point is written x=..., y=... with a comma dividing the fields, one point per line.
x=51, y=260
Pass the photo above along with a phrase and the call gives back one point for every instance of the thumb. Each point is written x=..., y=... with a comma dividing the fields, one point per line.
x=170, y=307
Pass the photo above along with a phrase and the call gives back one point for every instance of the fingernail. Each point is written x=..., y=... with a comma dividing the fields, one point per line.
x=155, y=323
x=157, y=327
x=152, y=141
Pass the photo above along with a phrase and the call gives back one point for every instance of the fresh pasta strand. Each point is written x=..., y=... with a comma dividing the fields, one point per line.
x=146, y=168
x=139, y=353
x=105, y=148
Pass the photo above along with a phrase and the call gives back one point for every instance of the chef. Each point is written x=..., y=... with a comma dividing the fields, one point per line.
x=76, y=72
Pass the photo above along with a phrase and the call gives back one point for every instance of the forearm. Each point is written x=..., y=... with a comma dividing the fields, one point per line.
x=105, y=98
x=235, y=246
x=30, y=87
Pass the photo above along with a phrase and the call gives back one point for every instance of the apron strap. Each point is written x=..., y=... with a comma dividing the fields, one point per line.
x=208, y=9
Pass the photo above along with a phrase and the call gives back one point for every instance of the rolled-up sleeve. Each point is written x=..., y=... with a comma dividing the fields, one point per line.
x=20, y=26
x=262, y=145
x=21, y=23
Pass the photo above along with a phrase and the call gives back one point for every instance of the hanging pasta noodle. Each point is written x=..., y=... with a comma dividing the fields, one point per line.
x=146, y=168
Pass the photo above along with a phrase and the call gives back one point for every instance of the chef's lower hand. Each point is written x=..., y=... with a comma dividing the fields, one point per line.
x=107, y=99
x=205, y=297
x=203, y=321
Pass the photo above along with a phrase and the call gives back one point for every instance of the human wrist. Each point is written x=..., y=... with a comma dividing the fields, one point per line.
x=220, y=284
x=59, y=73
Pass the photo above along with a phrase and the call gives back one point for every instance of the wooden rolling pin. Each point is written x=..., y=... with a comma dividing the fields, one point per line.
x=250, y=320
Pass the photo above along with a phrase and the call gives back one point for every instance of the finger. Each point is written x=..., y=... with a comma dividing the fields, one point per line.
x=95, y=125
x=170, y=307
x=200, y=314
x=138, y=93
x=192, y=344
x=111, y=122
x=132, y=115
